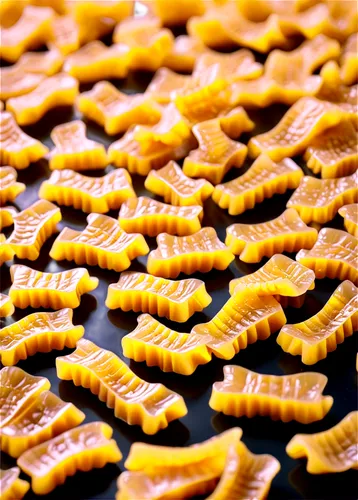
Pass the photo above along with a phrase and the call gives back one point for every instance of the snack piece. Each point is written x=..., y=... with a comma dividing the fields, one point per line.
x=45, y=417
x=349, y=60
x=286, y=233
x=45, y=63
x=9, y=187
x=6, y=252
x=16, y=81
x=73, y=149
x=101, y=243
x=18, y=389
x=158, y=345
x=175, y=300
x=89, y=194
x=32, y=227
x=176, y=188
x=202, y=251
x=38, y=332
x=95, y=61
x=116, y=111
x=350, y=215
x=83, y=448
x=314, y=338
x=7, y=215
x=334, y=450
x=335, y=92
x=178, y=14
x=165, y=85
x=151, y=217
x=17, y=148
x=30, y=31
x=216, y=153
x=152, y=406
x=333, y=153
x=31, y=288
x=281, y=397
x=318, y=200
x=334, y=255
x=11, y=486
x=116, y=10
x=263, y=179
x=246, y=475
x=6, y=306
x=244, y=319
x=54, y=91
x=184, y=53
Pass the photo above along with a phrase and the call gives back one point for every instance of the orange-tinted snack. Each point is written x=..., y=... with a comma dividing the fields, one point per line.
x=9, y=188
x=179, y=13
x=334, y=153
x=176, y=300
x=17, y=148
x=7, y=215
x=94, y=9
x=6, y=306
x=31, y=288
x=73, y=149
x=45, y=417
x=166, y=84
x=158, y=345
x=66, y=34
x=32, y=30
x=11, y=486
x=57, y=90
x=6, y=252
x=33, y=226
x=176, y=188
x=16, y=81
x=45, y=63
x=202, y=251
x=350, y=215
x=216, y=154
x=306, y=119
x=245, y=475
x=101, y=243
x=318, y=200
x=147, y=42
x=117, y=111
x=95, y=61
x=284, y=397
x=309, y=23
x=286, y=233
x=349, y=60
x=334, y=255
x=152, y=406
x=314, y=338
x=334, y=91
x=38, y=332
x=151, y=217
x=263, y=179
x=83, y=448
x=244, y=319
x=184, y=53
x=89, y=194
x=334, y=450
x=18, y=389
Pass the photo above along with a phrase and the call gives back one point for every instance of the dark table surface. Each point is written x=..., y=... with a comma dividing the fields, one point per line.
x=106, y=328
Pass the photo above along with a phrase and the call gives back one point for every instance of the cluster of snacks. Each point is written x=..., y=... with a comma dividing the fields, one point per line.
x=198, y=118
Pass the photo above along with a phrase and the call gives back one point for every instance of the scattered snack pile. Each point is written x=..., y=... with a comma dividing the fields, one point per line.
x=195, y=111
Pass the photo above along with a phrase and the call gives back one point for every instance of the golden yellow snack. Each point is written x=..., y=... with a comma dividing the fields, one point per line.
x=281, y=397
x=184, y=53
x=116, y=111
x=83, y=448
x=158, y=345
x=244, y=319
x=38, y=332
x=202, y=251
x=45, y=63
x=73, y=150
x=66, y=34
x=45, y=417
x=261, y=181
x=334, y=255
x=350, y=215
x=349, y=60
x=180, y=13
x=31, y=288
x=333, y=450
x=314, y=338
x=176, y=188
x=176, y=300
x=334, y=91
x=9, y=187
x=286, y=233
x=94, y=9
x=166, y=85
x=54, y=91
x=89, y=194
x=152, y=406
x=16, y=81
x=7, y=215
x=6, y=306
x=6, y=252
x=17, y=149
x=11, y=486
x=101, y=243
x=32, y=227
